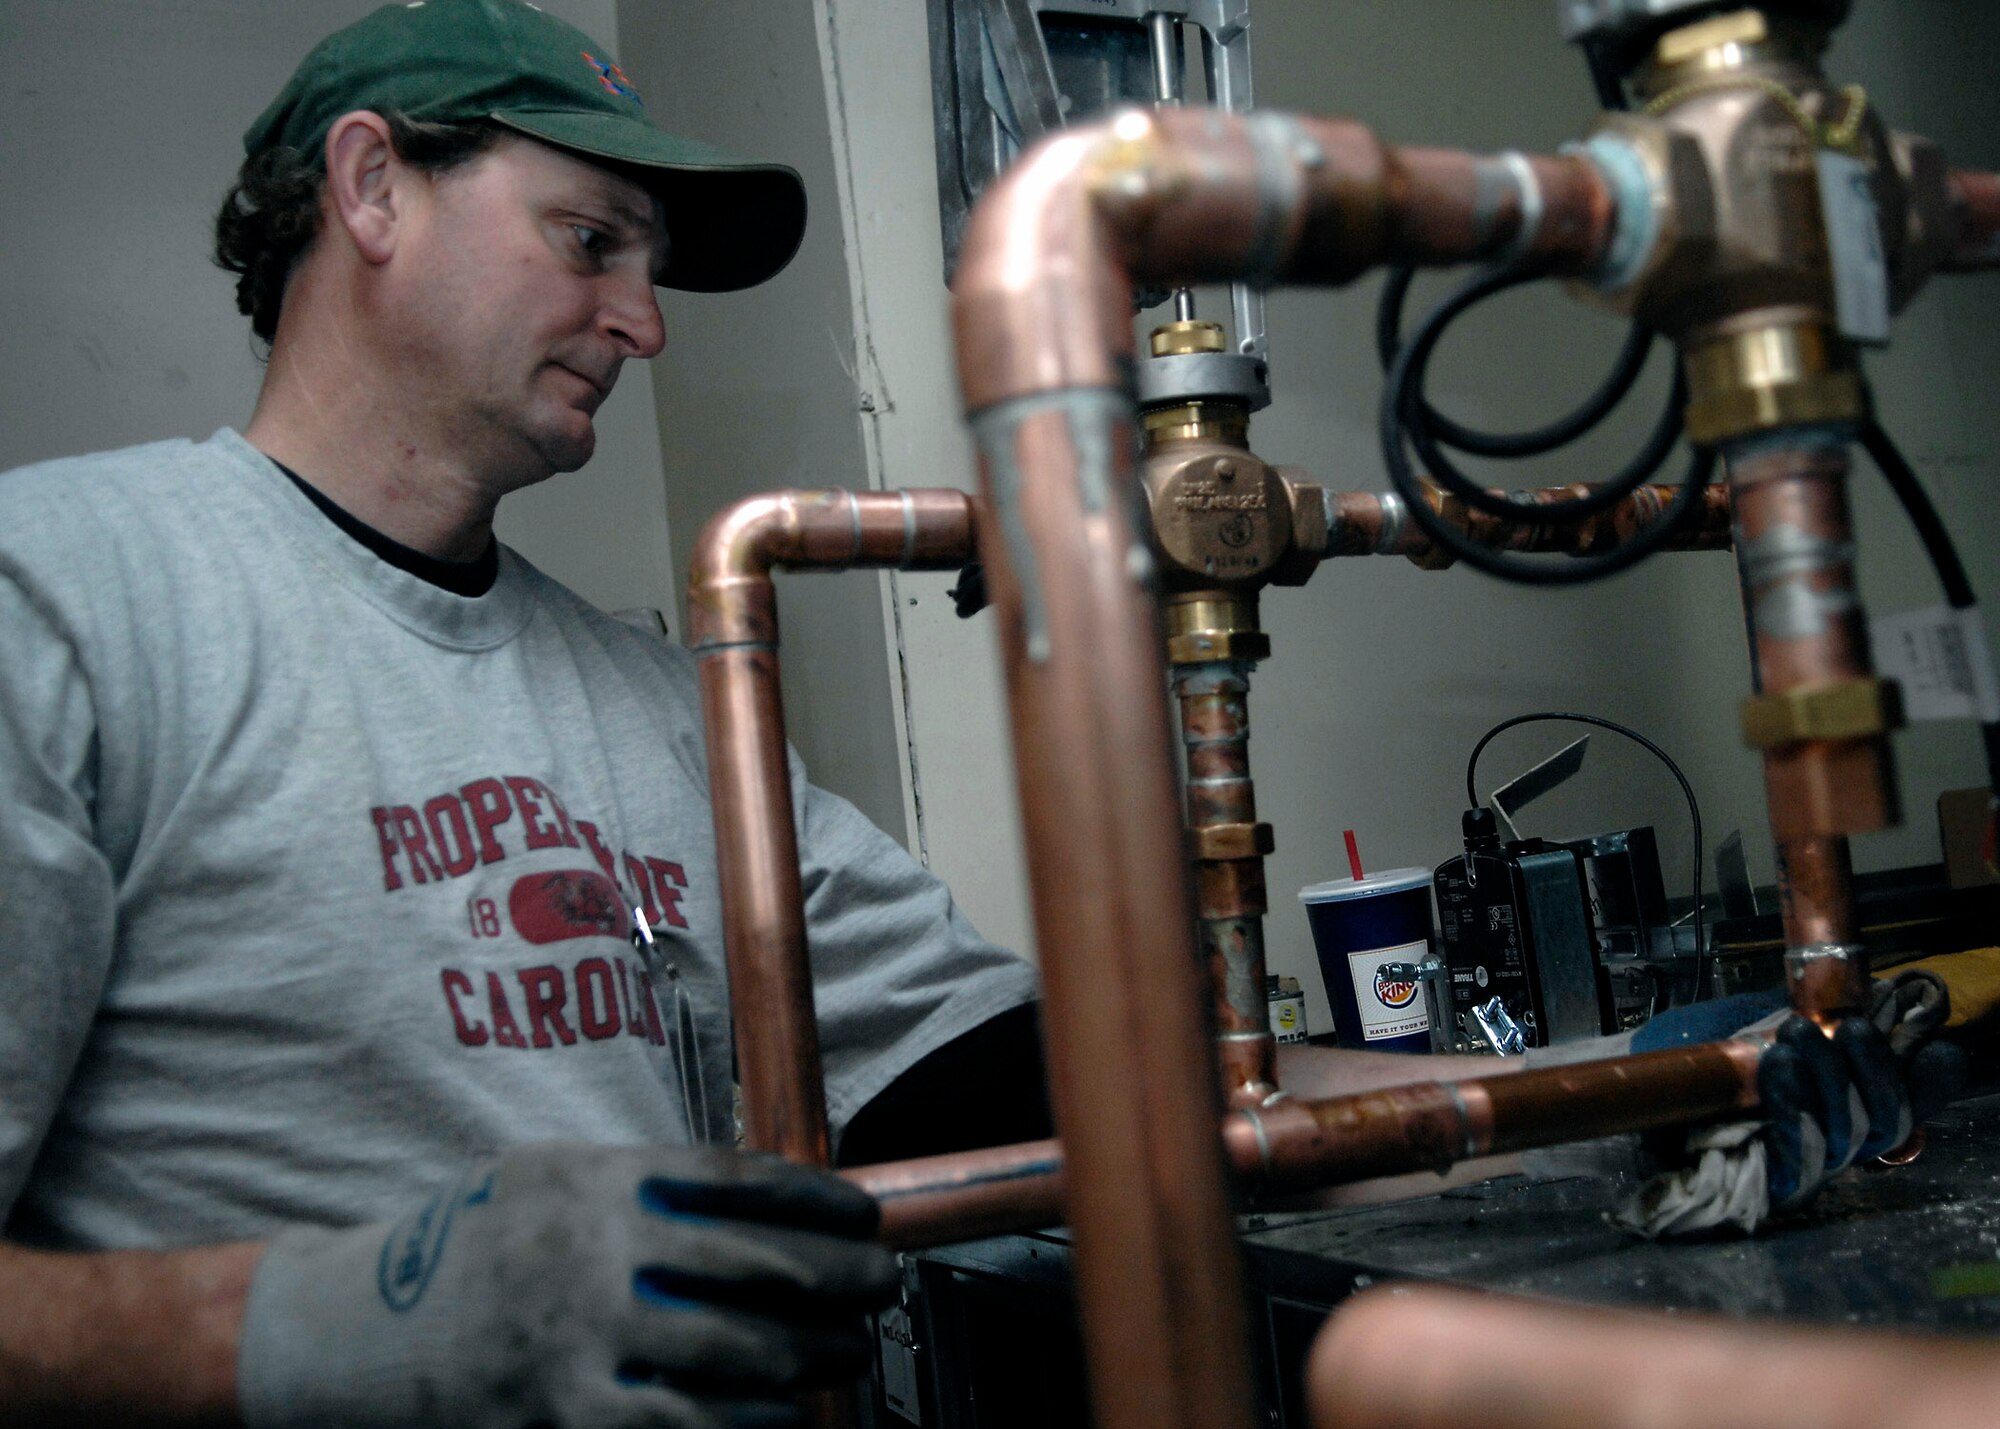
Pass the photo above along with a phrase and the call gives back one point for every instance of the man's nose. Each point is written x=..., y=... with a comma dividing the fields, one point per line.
x=632, y=319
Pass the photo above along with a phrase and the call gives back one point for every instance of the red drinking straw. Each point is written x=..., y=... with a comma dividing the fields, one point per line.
x=1353, y=856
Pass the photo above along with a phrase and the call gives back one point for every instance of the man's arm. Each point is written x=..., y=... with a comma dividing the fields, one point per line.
x=122, y=1337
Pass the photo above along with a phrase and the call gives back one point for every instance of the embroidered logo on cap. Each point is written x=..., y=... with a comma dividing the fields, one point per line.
x=613, y=78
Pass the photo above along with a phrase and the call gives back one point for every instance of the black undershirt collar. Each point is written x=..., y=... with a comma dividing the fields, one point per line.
x=468, y=578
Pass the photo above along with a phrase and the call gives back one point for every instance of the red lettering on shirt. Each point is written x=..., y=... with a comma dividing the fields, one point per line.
x=562, y=814
x=410, y=831
x=633, y=1025
x=598, y=851
x=540, y=835
x=506, y=1032
x=487, y=798
x=596, y=1000
x=543, y=988
x=639, y=877
x=445, y=818
x=642, y=986
x=668, y=880
x=456, y=985
x=385, y=835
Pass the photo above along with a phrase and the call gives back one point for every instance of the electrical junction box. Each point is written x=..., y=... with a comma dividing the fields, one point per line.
x=1514, y=923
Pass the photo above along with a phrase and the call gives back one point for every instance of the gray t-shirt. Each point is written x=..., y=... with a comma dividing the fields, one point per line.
x=314, y=877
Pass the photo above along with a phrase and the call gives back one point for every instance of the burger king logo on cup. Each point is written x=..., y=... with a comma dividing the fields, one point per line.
x=1393, y=992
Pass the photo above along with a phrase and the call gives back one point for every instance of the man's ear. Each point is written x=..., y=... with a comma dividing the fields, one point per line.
x=363, y=172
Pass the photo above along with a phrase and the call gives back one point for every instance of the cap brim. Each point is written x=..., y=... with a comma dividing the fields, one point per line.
x=730, y=224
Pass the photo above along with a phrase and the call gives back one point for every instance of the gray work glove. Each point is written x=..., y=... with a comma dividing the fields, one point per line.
x=1826, y=1102
x=572, y=1286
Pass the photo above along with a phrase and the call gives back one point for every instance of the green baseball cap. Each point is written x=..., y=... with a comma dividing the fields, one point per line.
x=730, y=224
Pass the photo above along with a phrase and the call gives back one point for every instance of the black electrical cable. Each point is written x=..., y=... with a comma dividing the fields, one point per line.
x=1404, y=388
x=1510, y=445
x=1938, y=545
x=1403, y=418
x=1687, y=789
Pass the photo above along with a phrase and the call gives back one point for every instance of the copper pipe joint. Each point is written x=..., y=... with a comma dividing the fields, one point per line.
x=1975, y=212
x=1228, y=845
x=1372, y=523
x=734, y=633
x=1045, y=277
x=1304, y=1144
x=1818, y=714
x=1425, y=1355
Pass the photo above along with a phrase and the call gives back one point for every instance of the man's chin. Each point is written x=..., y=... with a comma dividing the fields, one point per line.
x=568, y=447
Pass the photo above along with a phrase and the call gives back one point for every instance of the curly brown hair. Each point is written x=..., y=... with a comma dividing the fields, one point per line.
x=271, y=214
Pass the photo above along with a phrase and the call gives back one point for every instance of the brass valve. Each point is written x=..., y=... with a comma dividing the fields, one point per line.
x=1784, y=221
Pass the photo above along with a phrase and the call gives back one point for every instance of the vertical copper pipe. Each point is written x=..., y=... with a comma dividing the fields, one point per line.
x=1230, y=898
x=1042, y=317
x=1795, y=554
x=733, y=618
x=1156, y=1262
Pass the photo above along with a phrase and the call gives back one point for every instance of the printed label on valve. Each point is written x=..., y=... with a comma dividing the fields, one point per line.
x=1854, y=244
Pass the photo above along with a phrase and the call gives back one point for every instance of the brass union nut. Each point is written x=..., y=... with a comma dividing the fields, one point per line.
x=1198, y=646
x=1192, y=336
x=1851, y=709
x=1220, y=842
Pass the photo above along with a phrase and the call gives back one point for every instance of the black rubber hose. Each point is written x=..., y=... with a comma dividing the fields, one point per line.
x=1403, y=403
x=1593, y=409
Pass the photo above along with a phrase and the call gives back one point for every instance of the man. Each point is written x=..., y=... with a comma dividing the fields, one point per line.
x=328, y=1061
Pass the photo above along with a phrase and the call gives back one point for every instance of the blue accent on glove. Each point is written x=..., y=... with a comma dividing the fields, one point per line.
x=1705, y=1021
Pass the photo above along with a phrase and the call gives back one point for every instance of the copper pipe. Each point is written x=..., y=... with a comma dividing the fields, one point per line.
x=1304, y=1144
x=1795, y=554
x=1374, y=523
x=1230, y=897
x=1975, y=211
x=1042, y=315
x=1043, y=292
x=1425, y=1355
x=733, y=630
x=1157, y=1266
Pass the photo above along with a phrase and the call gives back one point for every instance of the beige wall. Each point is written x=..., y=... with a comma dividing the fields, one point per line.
x=120, y=128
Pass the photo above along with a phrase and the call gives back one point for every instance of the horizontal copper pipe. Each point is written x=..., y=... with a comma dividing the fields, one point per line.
x=1424, y=1355
x=733, y=631
x=1975, y=207
x=1374, y=523
x=1043, y=295
x=1299, y=1144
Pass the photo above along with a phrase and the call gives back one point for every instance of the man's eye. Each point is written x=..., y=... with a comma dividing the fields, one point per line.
x=589, y=239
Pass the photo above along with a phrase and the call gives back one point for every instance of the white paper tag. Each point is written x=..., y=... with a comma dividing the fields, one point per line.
x=1389, y=1007
x=1854, y=244
x=1941, y=658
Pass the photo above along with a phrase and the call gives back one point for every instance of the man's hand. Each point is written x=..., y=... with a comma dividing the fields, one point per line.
x=1826, y=1102
x=576, y=1286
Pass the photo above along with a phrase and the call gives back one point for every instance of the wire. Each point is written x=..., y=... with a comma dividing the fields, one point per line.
x=1404, y=409
x=1938, y=545
x=1687, y=789
x=1400, y=396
